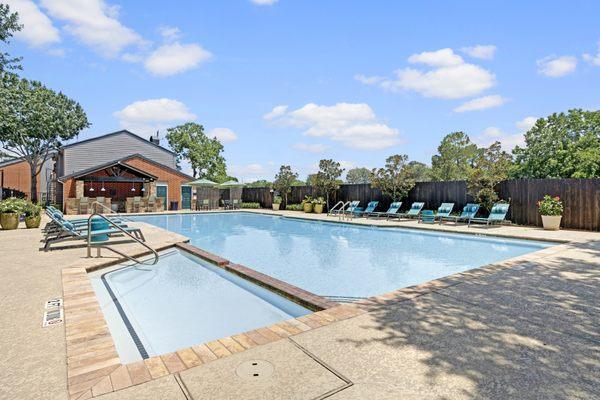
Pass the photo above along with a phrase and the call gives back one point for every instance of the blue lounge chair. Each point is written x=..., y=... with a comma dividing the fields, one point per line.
x=68, y=232
x=391, y=212
x=415, y=210
x=469, y=211
x=359, y=212
x=444, y=211
x=497, y=215
x=342, y=209
x=427, y=217
x=353, y=206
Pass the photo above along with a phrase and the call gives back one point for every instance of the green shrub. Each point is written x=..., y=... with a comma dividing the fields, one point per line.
x=294, y=207
x=13, y=205
x=31, y=209
x=277, y=200
x=550, y=206
x=250, y=205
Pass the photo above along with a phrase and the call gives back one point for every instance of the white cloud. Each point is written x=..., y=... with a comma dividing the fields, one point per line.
x=450, y=77
x=169, y=33
x=171, y=59
x=439, y=58
x=95, y=23
x=481, y=103
x=248, y=172
x=276, y=112
x=485, y=52
x=368, y=80
x=555, y=67
x=38, y=29
x=223, y=134
x=311, y=148
x=493, y=134
x=526, y=123
x=354, y=125
x=264, y=2
x=593, y=59
x=147, y=116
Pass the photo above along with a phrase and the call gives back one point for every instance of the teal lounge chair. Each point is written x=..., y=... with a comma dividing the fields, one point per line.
x=68, y=233
x=497, y=215
x=353, y=206
x=415, y=210
x=427, y=217
x=391, y=212
x=444, y=211
x=358, y=212
x=469, y=211
x=343, y=208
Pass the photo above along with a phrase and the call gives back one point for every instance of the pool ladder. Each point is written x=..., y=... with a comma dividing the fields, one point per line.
x=339, y=207
x=123, y=231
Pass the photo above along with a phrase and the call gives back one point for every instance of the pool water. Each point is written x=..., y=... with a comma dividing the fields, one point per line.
x=339, y=260
x=180, y=302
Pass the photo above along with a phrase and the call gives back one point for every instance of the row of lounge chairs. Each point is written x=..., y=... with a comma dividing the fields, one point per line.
x=444, y=213
x=59, y=229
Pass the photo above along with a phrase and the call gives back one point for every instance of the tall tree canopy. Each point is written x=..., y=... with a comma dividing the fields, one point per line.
x=204, y=154
x=454, y=159
x=327, y=179
x=490, y=167
x=358, y=175
x=284, y=181
x=9, y=24
x=34, y=120
x=418, y=171
x=394, y=178
x=561, y=146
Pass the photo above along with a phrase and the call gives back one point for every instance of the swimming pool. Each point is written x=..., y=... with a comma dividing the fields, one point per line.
x=339, y=260
x=180, y=302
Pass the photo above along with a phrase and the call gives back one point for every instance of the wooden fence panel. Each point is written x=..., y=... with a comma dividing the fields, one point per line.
x=258, y=195
x=581, y=198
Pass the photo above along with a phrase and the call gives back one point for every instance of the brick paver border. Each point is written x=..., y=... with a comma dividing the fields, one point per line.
x=94, y=367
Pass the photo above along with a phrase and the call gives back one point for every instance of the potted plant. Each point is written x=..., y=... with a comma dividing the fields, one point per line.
x=551, y=209
x=307, y=204
x=10, y=211
x=33, y=215
x=276, y=202
x=318, y=205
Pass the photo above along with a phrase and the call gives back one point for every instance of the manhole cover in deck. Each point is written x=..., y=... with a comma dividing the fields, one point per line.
x=255, y=369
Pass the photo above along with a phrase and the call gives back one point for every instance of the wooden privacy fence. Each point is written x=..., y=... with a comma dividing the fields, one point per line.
x=581, y=198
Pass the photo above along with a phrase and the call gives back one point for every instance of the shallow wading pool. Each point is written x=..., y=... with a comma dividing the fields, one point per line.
x=339, y=260
x=180, y=302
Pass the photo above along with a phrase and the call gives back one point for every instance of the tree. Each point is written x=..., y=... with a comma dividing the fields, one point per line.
x=454, y=159
x=34, y=120
x=204, y=154
x=261, y=183
x=9, y=24
x=358, y=175
x=491, y=166
x=561, y=146
x=394, y=179
x=284, y=180
x=418, y=171
x=327, y=179
x=311, y=180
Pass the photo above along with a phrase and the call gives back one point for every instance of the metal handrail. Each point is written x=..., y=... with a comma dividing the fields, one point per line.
x=130, y=258
x=336, y=204
x=110, y=210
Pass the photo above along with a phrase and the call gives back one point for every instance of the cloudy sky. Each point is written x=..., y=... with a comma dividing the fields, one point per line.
x=294, y=81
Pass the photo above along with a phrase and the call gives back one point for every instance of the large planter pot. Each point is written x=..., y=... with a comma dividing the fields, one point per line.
x=9, y=221
x=33, y=222
x=276, y=207
x=307, y=207
x=551, y=222
x=318, y=208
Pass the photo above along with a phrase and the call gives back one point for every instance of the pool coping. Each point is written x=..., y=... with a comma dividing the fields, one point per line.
x=93, y=364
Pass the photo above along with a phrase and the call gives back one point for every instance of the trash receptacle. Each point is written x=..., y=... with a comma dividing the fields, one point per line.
x=174, y=205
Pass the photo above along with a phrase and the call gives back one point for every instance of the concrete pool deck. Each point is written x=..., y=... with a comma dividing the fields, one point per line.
x=528, y=330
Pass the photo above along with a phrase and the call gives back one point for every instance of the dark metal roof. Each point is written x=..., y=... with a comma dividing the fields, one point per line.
x=117, y=133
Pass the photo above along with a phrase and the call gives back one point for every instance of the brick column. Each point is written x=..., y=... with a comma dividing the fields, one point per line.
x=78, y=189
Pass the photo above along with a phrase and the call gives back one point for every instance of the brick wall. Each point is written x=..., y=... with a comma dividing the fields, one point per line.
x=18, y=176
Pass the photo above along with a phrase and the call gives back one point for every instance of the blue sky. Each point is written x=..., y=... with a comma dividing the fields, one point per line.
x=294, y=81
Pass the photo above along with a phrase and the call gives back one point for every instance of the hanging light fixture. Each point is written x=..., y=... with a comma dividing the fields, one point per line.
x=91, y=186
x=103, y=190
x=132, y=186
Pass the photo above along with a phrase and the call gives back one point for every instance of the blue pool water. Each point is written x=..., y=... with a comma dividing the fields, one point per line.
x=180, y=302
x=333, y=259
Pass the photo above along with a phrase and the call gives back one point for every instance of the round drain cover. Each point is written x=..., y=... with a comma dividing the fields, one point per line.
x=255, y=369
